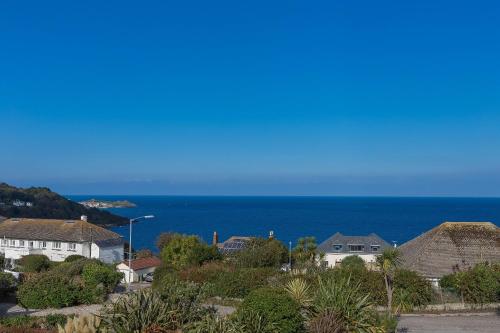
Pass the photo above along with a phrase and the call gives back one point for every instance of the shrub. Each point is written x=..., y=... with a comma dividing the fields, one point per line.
x=183, y=251
x=73, y=257
x=144, y=253
x=34, y=263
x=226, y=280
x=23, y=322
x=95, y=274
x=47, y=290
x=343, y=298
x=479, y=285
x=262, y=252
x=7, y=283
x=326, y=322
x=137, y=312
x=353, y=261
x=274, y=306
x=411, y=290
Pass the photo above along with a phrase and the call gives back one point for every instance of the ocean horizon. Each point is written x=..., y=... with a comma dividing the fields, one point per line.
x=395, y=219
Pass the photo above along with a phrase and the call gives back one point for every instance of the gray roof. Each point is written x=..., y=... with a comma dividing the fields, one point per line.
x=339, y=243
x=58, y=230
x=452, y=246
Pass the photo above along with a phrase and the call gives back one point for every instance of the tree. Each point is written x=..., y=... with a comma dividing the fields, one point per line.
x=164, y=238
x=305, y=251
x=183, y=251
x=144, y=253
x=388, y=262
x=262, y=252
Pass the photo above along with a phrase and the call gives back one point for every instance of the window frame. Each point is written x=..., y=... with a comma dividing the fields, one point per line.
x=72, y=247
x=54, y=247
x=361, y=246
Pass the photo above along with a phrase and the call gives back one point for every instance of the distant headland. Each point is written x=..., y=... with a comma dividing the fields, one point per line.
x=94, y=203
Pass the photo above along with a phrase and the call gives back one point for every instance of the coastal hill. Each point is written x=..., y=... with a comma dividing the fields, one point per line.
x=41, y=202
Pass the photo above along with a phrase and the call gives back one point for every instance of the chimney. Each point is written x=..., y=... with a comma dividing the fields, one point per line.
x=271, y=234
x=215, y=239
x=83, y=218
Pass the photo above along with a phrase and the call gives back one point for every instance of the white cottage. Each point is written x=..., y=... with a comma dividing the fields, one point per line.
x=139, y=268
x=58, y=239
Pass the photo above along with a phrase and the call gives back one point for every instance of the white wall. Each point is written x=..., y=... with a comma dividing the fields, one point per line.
x=336, y=258
x=135, y=274
x=111, y=254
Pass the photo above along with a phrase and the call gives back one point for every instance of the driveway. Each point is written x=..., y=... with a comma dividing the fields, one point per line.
x=451, y=323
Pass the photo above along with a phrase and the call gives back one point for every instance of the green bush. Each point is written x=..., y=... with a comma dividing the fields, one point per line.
x=183, y=251
x=7, y=282
x=275, y=307
x=47, y=291
x=479, y=285
x=24, y=322
x=262, y=252
x=73, y=257
x=95, y=274
x=82, y=281
x=411, y=289
x=34, y=263
x=226, y=280
x=353, y=261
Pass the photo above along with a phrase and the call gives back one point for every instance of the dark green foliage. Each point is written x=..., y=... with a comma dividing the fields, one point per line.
x=73, y=257
x=184, y=251
x=164, y=238
x=47, y=204
x=479, y=285
x=416, y=289
x=24, y=322
x=7, y=283
x=47, y=291
x=227, y=281
x=275, y=307
x=34, y=263
x=304, y=253
x=69, y=283
x=353, y=262
x=262, y=252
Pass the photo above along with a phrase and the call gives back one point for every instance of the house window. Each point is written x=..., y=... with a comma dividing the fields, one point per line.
x=12, y=243
x=71, y=247
x=42, y=244
x=4, y=242
x=337, y=247
x=21, y=243
x=356, y=248
x=375, y=248
x=56, y=245
x=30, y=244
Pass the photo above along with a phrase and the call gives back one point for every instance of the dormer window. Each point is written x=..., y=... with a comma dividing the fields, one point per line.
x=337, y=247
x=375, y=248
x=356, y=248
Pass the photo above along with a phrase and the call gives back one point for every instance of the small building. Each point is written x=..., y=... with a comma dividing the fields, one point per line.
x=58, y=239
x=339, y=246
x=140, y=267
x=450, y=247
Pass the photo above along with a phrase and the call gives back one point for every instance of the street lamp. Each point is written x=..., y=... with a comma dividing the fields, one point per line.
x=130, y=245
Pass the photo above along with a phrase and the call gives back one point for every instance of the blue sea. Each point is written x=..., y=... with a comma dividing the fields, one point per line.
x=395, y=219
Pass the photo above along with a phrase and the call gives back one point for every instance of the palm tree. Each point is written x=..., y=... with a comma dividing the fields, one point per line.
x=305, y=250
x=388, y=262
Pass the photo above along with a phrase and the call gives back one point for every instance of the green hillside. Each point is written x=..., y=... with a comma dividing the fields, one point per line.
x=41, y=202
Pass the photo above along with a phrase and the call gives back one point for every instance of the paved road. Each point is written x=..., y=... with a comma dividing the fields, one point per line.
x=481, y=323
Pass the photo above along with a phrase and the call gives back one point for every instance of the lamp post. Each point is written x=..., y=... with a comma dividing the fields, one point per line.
x=130, y=245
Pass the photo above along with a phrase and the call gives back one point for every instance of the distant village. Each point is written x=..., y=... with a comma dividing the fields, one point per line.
x=442, y=250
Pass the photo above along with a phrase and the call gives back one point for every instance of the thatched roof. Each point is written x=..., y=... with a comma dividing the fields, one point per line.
x=452, y=246
x=57, y=230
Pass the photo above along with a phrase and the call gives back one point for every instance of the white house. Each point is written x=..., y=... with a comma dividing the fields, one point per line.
x=339, y=246
x=58, y=239
x=140, y=267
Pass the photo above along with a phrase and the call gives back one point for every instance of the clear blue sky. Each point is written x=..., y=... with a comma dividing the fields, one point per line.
x=251, y=97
